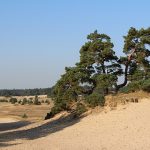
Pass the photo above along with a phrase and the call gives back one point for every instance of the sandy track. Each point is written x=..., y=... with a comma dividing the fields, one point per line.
x=127, y=128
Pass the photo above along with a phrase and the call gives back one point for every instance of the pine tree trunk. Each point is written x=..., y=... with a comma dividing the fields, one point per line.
x=125, y=77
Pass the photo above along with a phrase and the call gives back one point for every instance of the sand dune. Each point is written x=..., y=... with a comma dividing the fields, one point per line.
x=127, y=128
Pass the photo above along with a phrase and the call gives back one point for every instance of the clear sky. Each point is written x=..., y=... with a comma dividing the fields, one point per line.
x=38, y=38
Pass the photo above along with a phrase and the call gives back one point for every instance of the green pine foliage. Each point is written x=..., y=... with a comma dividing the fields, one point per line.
x=80, y=109
x=13, y=100
x=97, y=72
x=24, y=116
x=146, y=85
x=95, y=99
x=36, y=101
x=136, y=86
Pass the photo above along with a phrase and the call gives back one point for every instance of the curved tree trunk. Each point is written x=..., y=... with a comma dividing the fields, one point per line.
x=126, y=70
x=125, y=77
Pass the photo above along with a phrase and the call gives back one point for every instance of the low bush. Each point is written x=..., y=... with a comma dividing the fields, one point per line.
x=54, y=110
x=24, y=101
x=146, y=85
x=19, y=101
x=131, y=87
x=13, y=100
x=24, y=116
x=30, y=102
x=80, y=109
x=95, y=99
x=58, y=107
x=36, y=101
x=47, y=101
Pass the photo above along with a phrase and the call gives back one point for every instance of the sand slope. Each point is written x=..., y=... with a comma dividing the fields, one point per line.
x=127, y=128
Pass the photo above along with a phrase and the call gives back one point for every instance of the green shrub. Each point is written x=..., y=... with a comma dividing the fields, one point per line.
x=80, y=109
x=36, y=101
x=58, y=107
x=125, y=89
x=132, y=87
x=24, y=101
x=19, y=101
x=24, y=116
x=47, y=101
x=95, y=99
x=13, y=100
x=42, y=101
x=146, y=85
x=30, y=102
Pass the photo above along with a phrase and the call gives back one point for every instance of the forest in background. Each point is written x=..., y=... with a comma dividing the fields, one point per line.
x=25, y=92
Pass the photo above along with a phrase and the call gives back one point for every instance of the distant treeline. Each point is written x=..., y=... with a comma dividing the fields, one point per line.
x=26, y=92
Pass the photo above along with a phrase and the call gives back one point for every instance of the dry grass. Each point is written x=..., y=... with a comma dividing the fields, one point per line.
x=113, y=100
x=34, y=112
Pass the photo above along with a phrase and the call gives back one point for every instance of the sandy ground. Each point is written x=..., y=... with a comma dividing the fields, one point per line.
x=126, y=128
x=7, y=120
x=34, y=112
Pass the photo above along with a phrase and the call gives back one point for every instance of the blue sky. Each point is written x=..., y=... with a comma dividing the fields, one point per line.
x=38, y=38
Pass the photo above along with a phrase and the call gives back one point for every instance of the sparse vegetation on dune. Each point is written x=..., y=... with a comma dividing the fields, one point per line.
x=34, y=112
x=27, y=100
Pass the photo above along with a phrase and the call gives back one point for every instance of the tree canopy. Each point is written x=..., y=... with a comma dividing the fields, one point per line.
x=97, y=72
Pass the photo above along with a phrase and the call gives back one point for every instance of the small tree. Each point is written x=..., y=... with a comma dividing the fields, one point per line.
x=137, y=60
x=24, y=101
x=36, y=101
x=13, y=100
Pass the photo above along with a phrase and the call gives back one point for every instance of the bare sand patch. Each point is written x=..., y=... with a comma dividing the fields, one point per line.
x=7, y=120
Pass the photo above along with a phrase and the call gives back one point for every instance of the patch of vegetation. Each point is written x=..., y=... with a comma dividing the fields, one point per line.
x=30, y=102
x=19, y=101
x=95, y=99
x=136, y=86
x=13, y=100
x=47, y=101
x=80, y=109
x=24, y=101
x=24, y=116
x=131, y=87
x=146, y=85
x=36, y=101
x=3, y=100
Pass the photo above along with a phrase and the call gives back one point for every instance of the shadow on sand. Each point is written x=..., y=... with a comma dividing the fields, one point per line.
x=39, y=131
x=12, y=125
